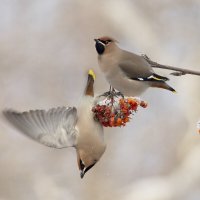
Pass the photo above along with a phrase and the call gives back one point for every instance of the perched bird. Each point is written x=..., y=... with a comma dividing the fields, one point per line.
x=66, y=127
x=127, y=72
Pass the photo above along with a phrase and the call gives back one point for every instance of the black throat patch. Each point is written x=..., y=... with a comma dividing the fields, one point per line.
x=100, y=48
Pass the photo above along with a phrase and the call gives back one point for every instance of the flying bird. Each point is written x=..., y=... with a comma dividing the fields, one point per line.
x=66, y=127
x=127, y=72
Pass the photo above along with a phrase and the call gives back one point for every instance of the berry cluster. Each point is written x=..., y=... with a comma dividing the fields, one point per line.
x=116, y=112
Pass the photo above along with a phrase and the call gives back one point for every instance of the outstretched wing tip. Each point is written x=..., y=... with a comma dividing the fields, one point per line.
x=7, y=113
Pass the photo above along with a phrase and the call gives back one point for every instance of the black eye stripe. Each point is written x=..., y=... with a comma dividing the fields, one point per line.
x=105, y=41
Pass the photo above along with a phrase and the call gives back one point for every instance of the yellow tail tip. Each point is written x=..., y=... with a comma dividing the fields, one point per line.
x=91, y=73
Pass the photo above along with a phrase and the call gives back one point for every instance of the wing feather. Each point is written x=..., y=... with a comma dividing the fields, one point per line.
x=135, y=67
x=54, y=128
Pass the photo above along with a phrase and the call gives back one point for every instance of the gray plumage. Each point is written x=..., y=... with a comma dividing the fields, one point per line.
x=134, y=66
x=53, y=128
x=127, y=72
x=66, y=127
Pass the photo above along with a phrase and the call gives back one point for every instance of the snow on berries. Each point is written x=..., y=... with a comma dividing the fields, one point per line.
x=116, y=112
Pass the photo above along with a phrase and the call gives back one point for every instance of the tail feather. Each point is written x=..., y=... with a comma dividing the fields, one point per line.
x=159, y=77
x=162, y=85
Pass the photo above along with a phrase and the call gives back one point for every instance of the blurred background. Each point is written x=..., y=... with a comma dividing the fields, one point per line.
x=46, y=48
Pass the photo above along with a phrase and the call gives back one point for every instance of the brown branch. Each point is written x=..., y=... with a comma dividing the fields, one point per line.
x=179, y=71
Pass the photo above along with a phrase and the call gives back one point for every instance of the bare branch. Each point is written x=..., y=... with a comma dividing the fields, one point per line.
x=179, y=71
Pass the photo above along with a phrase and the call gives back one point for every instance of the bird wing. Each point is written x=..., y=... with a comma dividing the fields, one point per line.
x=53, y=128
x=137, y=68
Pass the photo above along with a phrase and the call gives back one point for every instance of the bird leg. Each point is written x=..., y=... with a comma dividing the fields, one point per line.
x=112, y=93
x=119, y=94
x=115, y=93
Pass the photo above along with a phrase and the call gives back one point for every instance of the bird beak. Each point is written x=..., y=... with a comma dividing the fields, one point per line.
x=82, y=174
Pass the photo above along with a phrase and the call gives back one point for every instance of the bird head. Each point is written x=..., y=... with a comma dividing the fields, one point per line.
x=103, y=43
x=87, y=159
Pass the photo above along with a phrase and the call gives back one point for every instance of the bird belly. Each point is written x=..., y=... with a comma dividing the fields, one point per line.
x=117, y=79
x=90, y=141
x=90, y=132
x=126, y=86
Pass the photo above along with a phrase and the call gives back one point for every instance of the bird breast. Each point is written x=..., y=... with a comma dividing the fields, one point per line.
x=115, y=76
x=90, y=132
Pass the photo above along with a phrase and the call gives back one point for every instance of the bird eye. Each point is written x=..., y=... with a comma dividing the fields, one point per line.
x=107, y=41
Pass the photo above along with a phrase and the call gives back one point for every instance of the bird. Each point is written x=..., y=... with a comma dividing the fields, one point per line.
x=63, y=127
x=127, y=72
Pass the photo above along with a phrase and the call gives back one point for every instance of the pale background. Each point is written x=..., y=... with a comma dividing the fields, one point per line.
x=46, y=48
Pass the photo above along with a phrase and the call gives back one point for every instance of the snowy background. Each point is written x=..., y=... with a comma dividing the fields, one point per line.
x=46, y=48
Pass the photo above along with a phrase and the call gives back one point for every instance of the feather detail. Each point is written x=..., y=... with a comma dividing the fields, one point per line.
x=153, y=77
x=53, y=128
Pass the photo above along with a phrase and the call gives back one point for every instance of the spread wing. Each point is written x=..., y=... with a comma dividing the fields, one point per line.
x=53, y=128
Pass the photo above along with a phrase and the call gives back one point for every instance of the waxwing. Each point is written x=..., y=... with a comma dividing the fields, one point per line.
x=127, y=72
x=66, y=127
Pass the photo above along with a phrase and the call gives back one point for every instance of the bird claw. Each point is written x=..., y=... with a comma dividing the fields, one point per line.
x=111, y=94
x=105, y=94
x=119, y=94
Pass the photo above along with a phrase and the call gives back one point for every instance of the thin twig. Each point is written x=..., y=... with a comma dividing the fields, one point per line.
x=179, y=71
